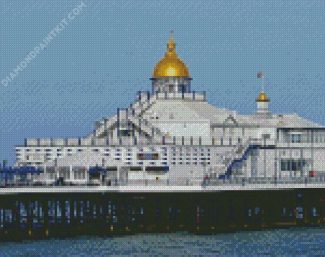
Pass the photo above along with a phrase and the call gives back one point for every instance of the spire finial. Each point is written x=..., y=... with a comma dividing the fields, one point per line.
x=171, y=43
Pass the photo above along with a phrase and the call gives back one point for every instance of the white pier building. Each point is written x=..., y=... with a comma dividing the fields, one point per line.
x=172, y=135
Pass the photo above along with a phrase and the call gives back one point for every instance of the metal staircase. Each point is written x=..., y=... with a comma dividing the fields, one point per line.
x=133, y=113
x=238, y=155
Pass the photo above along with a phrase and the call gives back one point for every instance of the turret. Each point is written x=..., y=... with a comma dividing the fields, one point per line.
x=262, y=102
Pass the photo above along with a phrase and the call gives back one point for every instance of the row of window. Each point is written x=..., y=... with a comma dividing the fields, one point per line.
x=150, y=163
x=301, y=138
x=66, y=174
x=193, y=154
x=292, y=165
x=188, y=159
x=163, y=150
x=189, y=163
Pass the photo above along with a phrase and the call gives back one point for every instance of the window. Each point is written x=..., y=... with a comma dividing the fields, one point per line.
x=126, y=133
x=79, y=174
x=157, y=170
x=292, y=165
x=295, y=138
x=64, y=172
x=135, y=168
x=148, y=156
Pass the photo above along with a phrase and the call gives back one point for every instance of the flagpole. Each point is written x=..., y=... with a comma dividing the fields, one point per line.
x=260, y=75
x=263, y=83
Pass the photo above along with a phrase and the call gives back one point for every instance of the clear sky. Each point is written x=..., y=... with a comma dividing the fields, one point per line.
x=107, y=53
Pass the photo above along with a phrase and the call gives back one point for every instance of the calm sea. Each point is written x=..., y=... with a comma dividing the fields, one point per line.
x=286, y=242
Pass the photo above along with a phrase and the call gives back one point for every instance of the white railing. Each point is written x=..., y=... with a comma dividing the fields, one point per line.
x=159, y=138
x=267, y=181
x=204, y=182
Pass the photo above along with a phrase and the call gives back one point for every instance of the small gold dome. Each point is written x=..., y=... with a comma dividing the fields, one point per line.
x=262, y=97
x=171, y=65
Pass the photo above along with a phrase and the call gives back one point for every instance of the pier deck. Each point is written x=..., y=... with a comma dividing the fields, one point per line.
x=59, y=211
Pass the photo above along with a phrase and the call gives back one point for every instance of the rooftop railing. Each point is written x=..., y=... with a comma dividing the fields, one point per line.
x=265, y=181
x=252, y=182
x=131, y=140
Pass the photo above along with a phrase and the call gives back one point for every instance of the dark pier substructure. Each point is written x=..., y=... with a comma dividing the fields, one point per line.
x=35, y=216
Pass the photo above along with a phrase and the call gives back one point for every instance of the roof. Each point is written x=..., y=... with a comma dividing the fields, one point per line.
x=182, y=110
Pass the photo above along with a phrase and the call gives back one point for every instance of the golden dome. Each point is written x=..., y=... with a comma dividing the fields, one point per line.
x=262, y=97
x=171, y=65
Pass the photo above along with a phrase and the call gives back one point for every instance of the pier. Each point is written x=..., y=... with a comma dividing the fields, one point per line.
x=36, y=213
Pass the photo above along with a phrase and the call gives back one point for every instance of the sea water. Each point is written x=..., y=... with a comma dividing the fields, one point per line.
x=280, y=242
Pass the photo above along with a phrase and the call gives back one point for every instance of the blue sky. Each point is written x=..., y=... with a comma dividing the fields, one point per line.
x=107, y=53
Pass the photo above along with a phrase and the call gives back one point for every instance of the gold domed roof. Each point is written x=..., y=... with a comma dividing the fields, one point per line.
x=262, y=97
x=171, y=65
